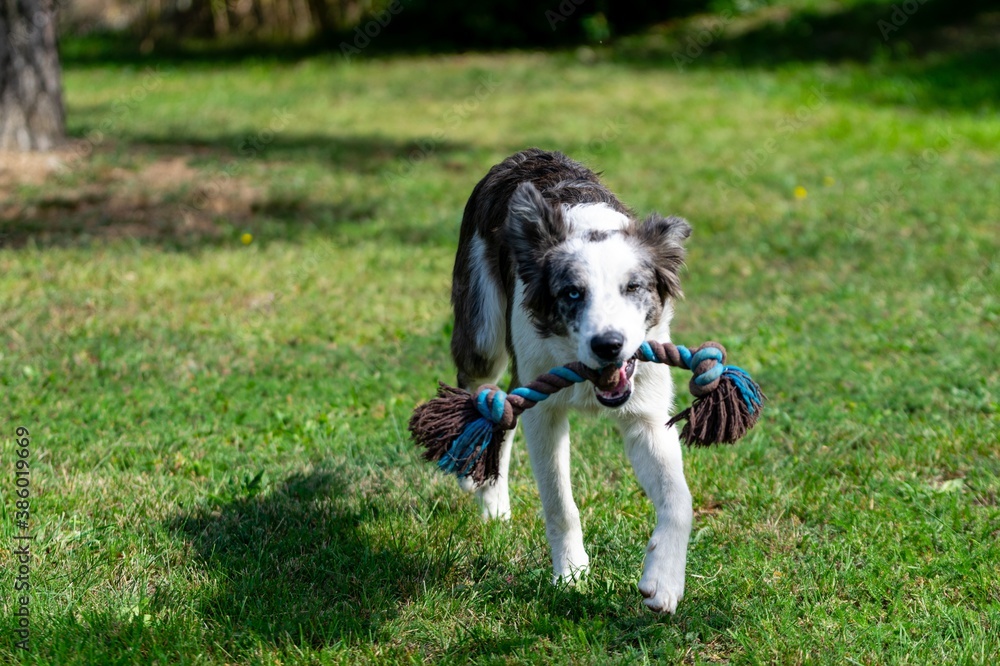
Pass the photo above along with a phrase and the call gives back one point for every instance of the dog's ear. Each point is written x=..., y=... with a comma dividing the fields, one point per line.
x=663, y=237
x=533, y=227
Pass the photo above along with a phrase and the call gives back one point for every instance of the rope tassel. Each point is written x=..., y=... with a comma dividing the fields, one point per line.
x=727, y=401
x=463, y=432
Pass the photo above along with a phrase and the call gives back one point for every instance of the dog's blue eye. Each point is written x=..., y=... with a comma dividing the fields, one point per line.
x=573, y=294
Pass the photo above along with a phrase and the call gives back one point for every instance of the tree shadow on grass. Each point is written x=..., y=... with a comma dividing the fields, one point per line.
x=863, y=32
x=176, y=219
x=946, y=52
x=185, y=192
x=363, y=154
x=300, y=565
x=328, y=558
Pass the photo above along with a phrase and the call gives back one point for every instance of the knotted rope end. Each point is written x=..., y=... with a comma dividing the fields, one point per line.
x=462, y=432
x=725, y=408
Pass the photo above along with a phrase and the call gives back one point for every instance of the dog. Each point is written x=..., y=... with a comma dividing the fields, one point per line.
x=553, y=268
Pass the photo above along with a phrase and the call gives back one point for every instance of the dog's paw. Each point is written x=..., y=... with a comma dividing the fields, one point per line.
x=659, y=595
x=571, y=566
x=493, y=501
x=467, y=484
x=662, y=582
x=571, y=575
x=493, y=510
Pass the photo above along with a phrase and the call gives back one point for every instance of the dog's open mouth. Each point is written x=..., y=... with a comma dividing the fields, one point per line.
x=617, y=389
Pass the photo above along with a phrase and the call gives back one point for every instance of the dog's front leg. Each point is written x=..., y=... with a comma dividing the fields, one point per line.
x=655, y=453
x=546, y=430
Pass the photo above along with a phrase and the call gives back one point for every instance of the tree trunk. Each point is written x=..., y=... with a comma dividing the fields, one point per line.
x=31, y=106
x=322, y=18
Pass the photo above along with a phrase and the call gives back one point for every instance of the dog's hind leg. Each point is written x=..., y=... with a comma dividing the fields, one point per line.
x=493, y=497
x=478, y=346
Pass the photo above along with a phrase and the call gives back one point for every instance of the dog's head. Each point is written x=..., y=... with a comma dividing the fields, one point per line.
x=595, y=278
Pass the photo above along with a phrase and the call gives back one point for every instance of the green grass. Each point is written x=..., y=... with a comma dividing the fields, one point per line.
x=220, y=467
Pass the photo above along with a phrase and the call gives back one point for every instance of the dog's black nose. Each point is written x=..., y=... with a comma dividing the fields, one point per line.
x=608, y=345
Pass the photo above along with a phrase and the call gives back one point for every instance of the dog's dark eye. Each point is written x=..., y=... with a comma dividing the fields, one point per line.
x=633, y=287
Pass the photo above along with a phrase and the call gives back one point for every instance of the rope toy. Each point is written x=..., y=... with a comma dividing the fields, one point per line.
x=463, y=432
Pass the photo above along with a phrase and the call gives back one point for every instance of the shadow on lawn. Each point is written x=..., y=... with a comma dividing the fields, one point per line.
x=185, y=192
x=310, y=564
x=946, y=52
x=364, y=154
x=298, y=565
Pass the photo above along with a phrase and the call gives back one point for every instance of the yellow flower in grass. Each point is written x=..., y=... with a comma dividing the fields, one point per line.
x=800, y=192
x=246, y=239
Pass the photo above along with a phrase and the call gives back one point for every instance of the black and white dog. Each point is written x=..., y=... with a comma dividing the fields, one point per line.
x=553, y=268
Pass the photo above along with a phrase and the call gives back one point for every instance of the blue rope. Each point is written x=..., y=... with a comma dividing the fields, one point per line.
x=494, y=410
x=530, y=394
x=469, y=446
x=704, y=355
x=711, y=375
x=685, y=356
x=646, y=352
x=749, y=391
x=476, y=434
x=567, y=374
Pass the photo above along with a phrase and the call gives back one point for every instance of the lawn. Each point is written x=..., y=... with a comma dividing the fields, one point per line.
x=218, y=309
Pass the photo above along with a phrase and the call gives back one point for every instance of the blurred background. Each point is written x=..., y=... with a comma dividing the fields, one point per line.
x=226, y=237
x=841, y=29
x=917, y=55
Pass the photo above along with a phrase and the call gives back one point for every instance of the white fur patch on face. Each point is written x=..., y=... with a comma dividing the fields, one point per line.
x=583, y=218
x=608, y=266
